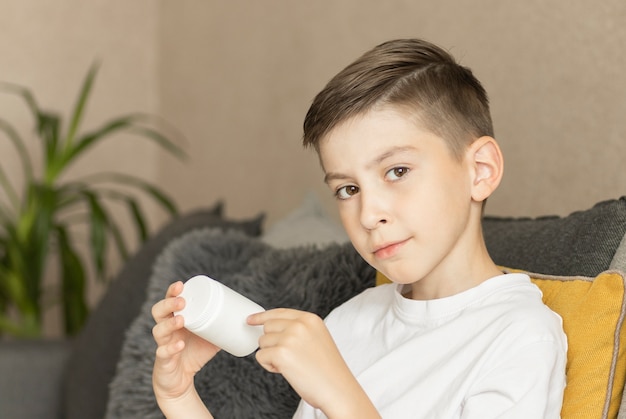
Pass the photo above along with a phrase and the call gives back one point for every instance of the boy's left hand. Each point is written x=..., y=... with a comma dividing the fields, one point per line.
x=298, y=345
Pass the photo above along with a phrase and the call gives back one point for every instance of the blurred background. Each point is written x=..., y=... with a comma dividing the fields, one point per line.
x=237, y=77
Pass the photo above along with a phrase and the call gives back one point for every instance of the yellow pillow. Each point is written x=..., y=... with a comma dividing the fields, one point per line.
x=593, y=311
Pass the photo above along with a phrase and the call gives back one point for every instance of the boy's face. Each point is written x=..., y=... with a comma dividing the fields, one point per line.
x=404, y=200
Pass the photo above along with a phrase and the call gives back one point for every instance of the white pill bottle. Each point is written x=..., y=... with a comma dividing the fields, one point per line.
x=218, y=314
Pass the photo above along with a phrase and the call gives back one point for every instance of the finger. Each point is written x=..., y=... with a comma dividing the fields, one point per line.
x=174, y=289
x=269, y=340
x=264, y=357
x=165, y=352
x=165, y=309
x=276, y=313
x=163, y=331
x=276, y=358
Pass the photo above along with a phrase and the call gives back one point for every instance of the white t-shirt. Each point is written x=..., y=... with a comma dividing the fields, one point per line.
x=493, y=351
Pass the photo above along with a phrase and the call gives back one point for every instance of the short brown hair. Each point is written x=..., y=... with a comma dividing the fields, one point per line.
x=414, y=75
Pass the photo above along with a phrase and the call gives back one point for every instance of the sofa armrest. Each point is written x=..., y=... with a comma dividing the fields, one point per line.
x=31, y=377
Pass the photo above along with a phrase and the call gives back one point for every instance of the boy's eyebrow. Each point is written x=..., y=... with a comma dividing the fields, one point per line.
x=389, y=153
x=377, y=160
x=332, y=176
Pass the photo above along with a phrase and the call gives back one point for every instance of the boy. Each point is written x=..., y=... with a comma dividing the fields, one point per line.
x=405, y=139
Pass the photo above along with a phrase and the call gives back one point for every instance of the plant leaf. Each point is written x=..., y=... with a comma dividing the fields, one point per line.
x=24, y=93
x=27, y=328
x=98, y=223
x=138, y=216
x=128, y=124
x=9, y=191
x=88, y=140
x=20, y=146
x=127, y=180
x=48, y=127
x=157, y=127
x=160, y=139
x=31, y=241
x=71, y=193
x=47, y=123
x=15, y=291
x=119, y=239
x=79, y=109
x=131, y=203
x=73, y=286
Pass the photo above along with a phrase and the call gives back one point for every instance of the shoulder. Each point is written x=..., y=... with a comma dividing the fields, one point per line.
x=518, y=309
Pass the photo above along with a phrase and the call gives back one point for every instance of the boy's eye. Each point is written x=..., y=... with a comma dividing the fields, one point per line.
x=347, y=191
x=396, y=173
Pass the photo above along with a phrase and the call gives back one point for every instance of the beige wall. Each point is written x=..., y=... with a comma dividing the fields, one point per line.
x=237, y=78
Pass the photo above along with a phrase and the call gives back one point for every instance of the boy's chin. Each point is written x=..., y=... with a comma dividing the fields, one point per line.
x=397, y=278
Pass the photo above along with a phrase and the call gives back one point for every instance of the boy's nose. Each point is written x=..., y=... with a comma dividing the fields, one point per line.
x=373, y=212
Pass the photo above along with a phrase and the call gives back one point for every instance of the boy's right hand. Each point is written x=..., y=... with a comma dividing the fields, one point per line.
x=180, y=354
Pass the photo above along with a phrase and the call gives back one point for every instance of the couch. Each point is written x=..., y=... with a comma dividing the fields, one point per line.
x=304, y=261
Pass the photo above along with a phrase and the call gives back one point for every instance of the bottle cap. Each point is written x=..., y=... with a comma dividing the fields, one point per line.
x=203, y=301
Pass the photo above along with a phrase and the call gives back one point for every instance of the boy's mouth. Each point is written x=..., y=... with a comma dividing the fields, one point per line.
x=387, y=250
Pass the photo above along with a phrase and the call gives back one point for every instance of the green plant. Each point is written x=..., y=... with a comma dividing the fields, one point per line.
x=38, y=221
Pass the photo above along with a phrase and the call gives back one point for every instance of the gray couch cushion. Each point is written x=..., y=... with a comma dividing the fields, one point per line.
x=583, y=243
x=32, y=375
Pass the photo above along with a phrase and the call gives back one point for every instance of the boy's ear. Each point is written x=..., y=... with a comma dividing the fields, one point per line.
x=487, y=165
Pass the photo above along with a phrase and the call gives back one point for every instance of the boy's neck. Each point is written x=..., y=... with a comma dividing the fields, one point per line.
x=418, y=291
x=472, y=266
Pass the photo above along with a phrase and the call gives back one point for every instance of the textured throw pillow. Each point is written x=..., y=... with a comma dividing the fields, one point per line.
x=96, y=350
x=593, y=311
x=583, y=243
